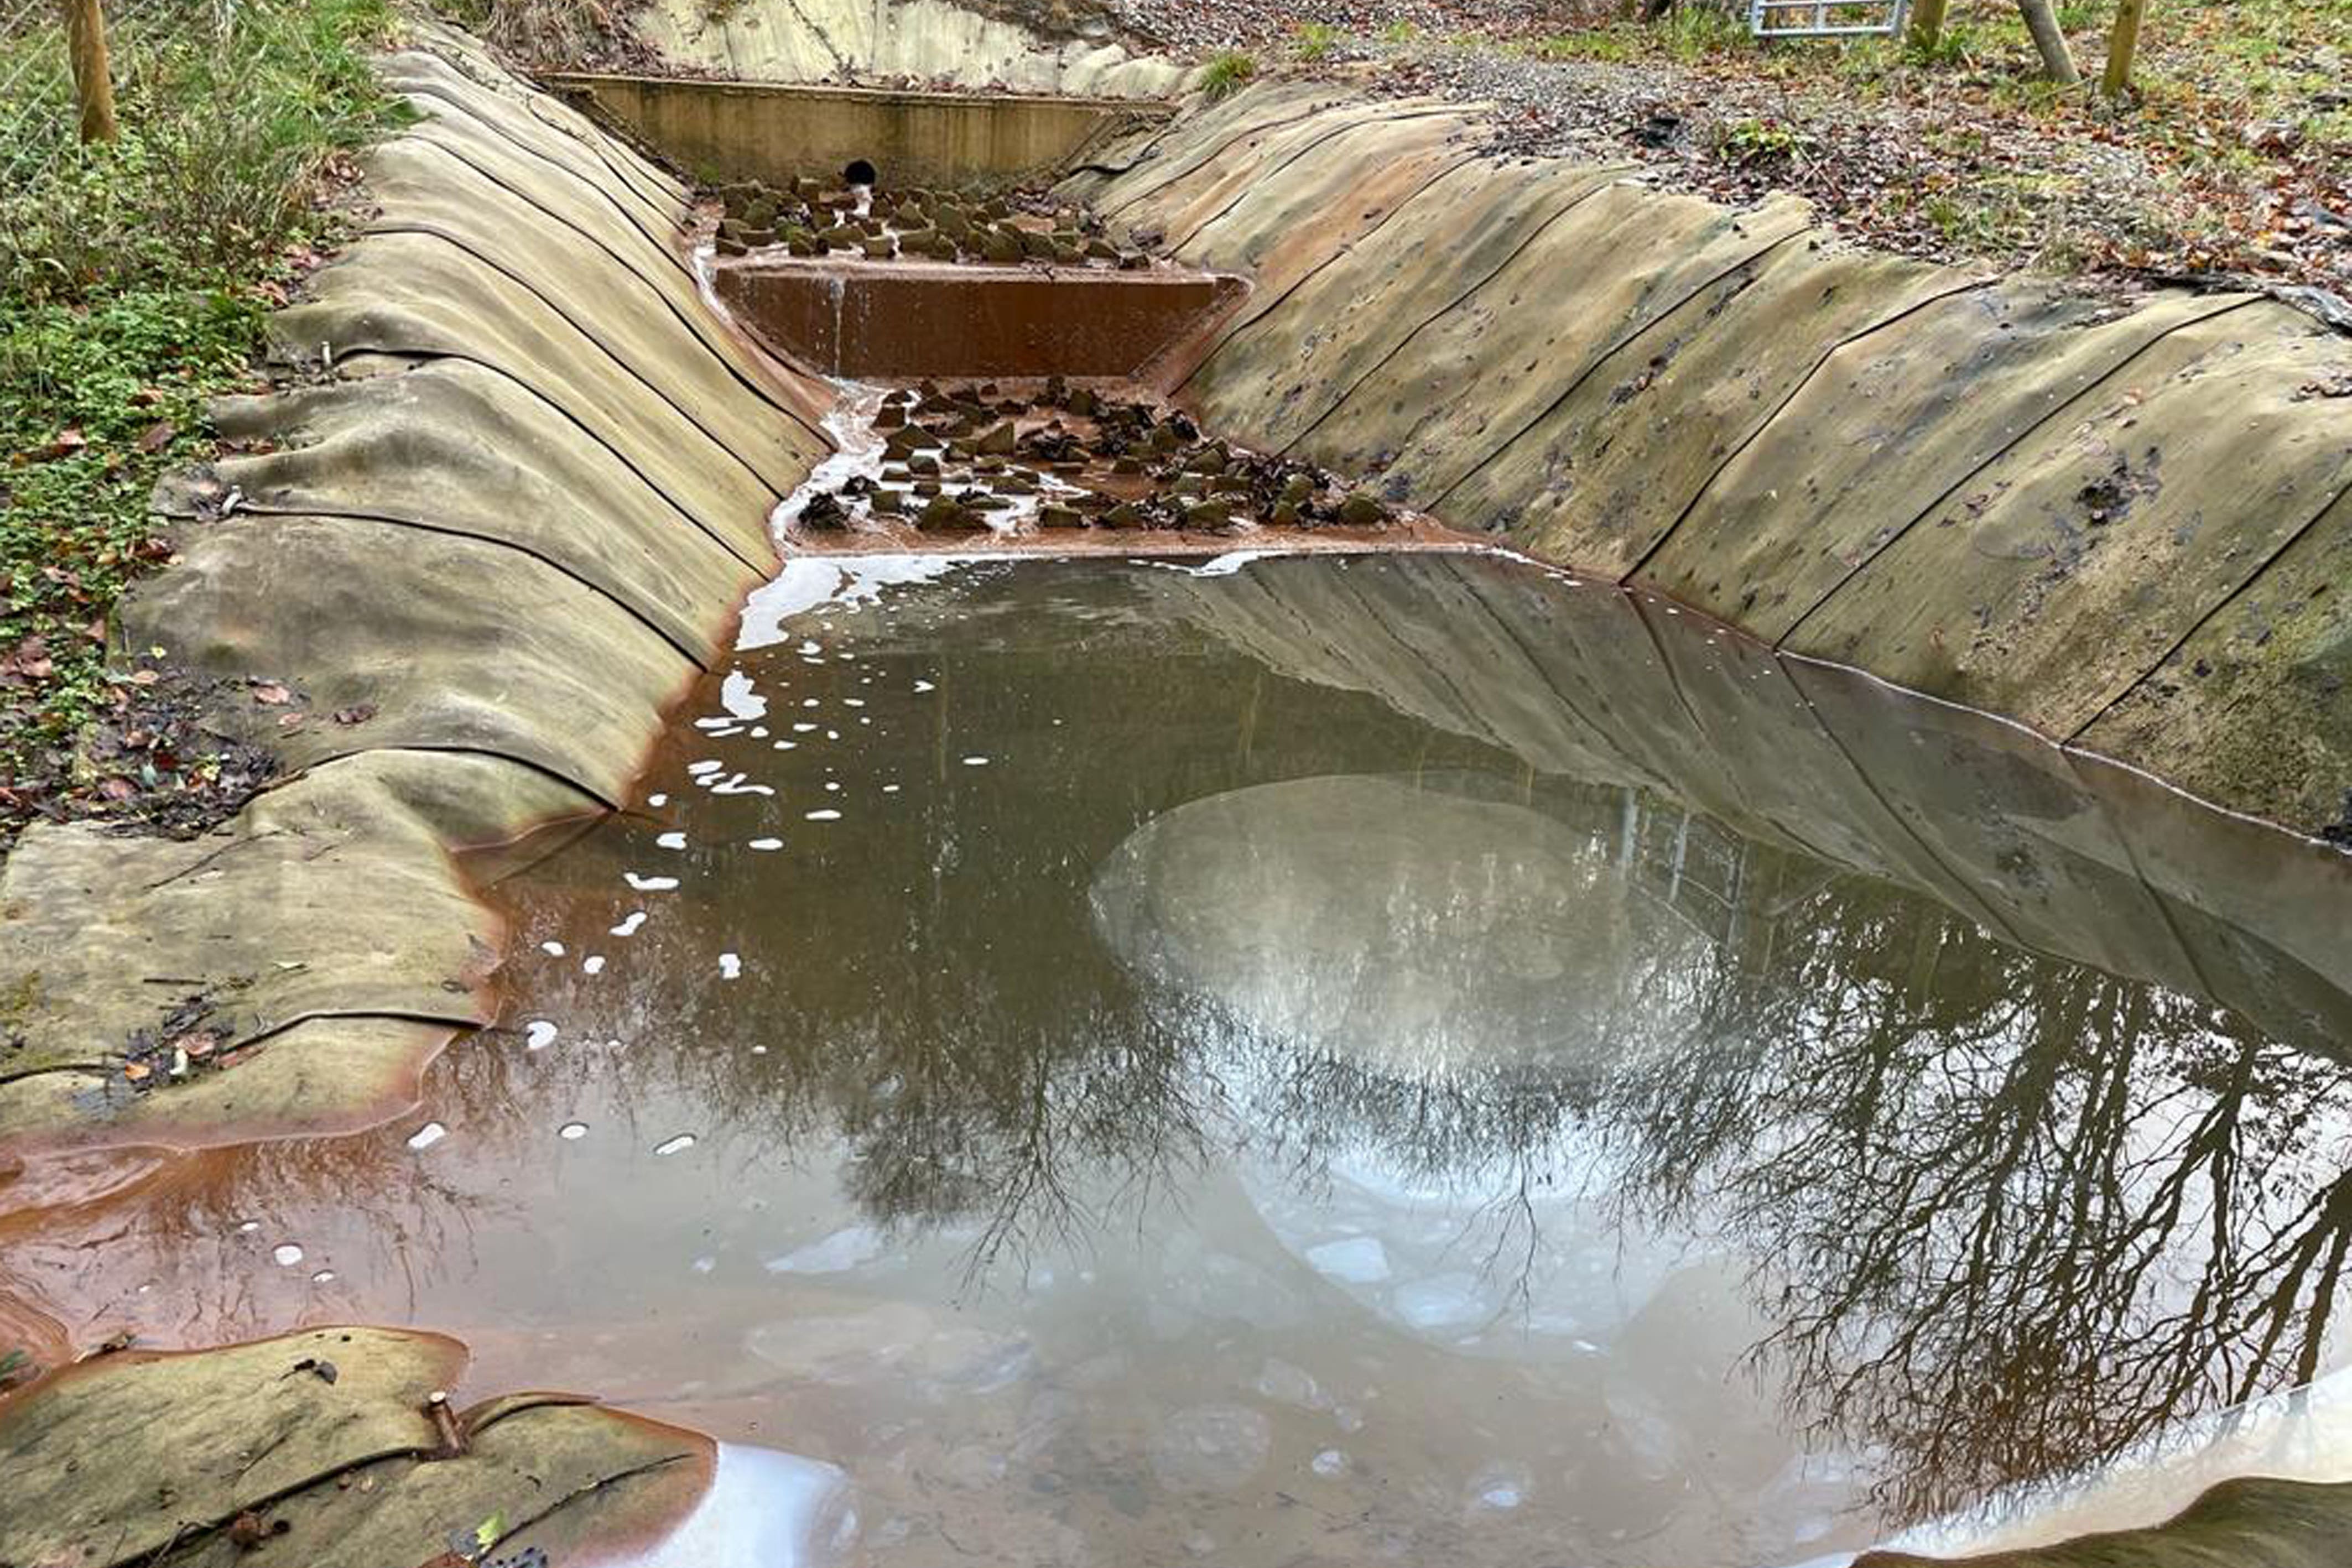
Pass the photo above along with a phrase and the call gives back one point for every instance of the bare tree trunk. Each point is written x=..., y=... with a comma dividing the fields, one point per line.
x=2057, y=59
x=1928, y=23
x=93, y=88
x=2123, y=44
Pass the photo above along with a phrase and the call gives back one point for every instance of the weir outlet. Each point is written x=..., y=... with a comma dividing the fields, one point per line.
x=895, y=320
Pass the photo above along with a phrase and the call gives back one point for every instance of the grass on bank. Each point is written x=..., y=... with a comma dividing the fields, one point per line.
x=1226, y=73
x=134, y=277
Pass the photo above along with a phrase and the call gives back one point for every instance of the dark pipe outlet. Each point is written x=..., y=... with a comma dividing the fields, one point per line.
x=859, y=172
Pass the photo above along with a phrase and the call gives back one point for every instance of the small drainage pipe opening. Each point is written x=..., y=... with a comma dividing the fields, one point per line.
x=857, y=173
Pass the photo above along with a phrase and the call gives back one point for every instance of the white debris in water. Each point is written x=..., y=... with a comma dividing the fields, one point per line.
x=657, y=799
x=766, y=844
x=1358, y=1261
x=1329, y=1462
x=788, y=745
x=832, y=787
x=538, y=1034
x=678, y=1144
x=629, y=927
x=889, y=789
x=833, y=735
x=811, y=701
x=1228, y=563
x=650, y=884
x=707, y=765
x=593, y=964
x=425, y=1137
x=843, y=1250
x=1499, y=1487
x=823, y=816
x=803, y=729
x=736, y=786
x=736, y=695
x=323, y=1276
x=572, y=1132
x=671, y=841
x=287, y=1254
x=852, y=701
x=925, y=687
x=809, y=647
x=248, y=1226
x=975, y=762
x=705, y=1264
x=730, y=966
x=552, y=950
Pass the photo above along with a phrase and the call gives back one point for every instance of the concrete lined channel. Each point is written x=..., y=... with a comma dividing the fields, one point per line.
x=1077, y=877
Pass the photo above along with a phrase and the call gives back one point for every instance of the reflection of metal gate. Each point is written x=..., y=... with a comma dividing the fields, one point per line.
x=1688, y=863
x=1825, y=18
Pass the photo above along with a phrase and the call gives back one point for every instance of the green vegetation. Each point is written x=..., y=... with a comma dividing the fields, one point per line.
x=1313, y=40
x=1398, y=33
x=1755, y=141
x=1227, y=72
x=133, y=279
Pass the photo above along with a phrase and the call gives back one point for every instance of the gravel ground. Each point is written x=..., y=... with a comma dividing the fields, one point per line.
x=1739, y=140
x=1195, y=26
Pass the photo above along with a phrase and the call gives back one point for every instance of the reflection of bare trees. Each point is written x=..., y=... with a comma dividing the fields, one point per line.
x=2011, y=1216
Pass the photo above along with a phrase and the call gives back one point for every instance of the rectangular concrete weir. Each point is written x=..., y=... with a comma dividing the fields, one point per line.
x=777, y=132
x=905, y=318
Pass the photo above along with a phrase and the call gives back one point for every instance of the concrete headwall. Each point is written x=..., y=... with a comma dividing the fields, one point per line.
x=504, y=515
x=2125, y=524
x=926, y=42
x=774, y=132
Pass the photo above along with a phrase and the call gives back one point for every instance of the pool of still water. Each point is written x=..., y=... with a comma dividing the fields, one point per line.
x=1142, y=1065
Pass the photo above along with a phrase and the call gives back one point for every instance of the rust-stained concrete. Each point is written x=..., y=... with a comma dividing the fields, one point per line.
x=905, y=319
x=776, y=133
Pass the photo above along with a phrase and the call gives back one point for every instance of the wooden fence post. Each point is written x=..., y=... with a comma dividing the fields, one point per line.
x=93, y=88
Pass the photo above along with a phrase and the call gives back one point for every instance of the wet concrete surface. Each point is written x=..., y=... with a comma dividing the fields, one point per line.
x=1125, y=1091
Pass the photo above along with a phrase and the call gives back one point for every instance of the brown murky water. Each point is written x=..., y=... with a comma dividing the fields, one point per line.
x=1316, y=1062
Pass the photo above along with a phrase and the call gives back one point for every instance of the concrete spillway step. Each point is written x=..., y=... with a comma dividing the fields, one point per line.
x=902, y=319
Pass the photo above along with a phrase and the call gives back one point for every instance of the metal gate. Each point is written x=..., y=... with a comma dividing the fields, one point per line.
x=1825, y=18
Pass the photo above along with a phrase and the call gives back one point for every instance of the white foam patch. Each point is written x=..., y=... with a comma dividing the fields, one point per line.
x=764, y=1509
x=807, y=582
x=736, y=695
